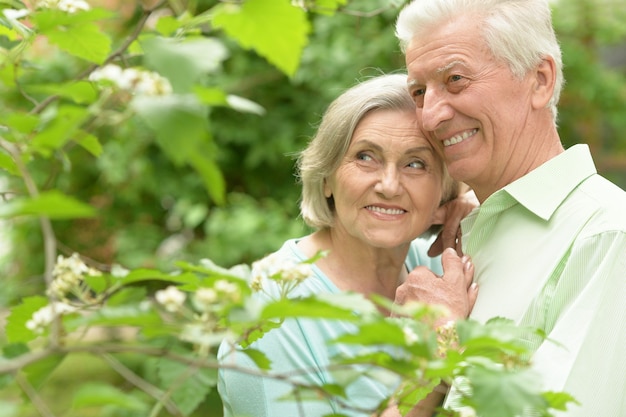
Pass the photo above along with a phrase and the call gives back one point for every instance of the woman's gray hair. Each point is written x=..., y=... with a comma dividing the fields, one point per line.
x=518, y=32
x=322, y=156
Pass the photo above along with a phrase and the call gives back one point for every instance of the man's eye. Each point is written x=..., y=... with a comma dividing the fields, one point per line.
x=455, y=77
x=418, y=92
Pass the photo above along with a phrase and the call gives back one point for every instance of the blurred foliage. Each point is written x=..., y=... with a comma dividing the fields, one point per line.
x=151, y=209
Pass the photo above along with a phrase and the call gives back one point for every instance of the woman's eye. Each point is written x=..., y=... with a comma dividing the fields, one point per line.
x=363, y=157
x=417, y=164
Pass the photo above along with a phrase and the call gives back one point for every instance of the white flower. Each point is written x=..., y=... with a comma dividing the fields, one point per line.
x=466, y=411
x=133, y=80
x=171, y=298
x=68, y=273
x=204, y=298
x=45, y=315
x=410, y=337
x=70, y=6
x=13, y=14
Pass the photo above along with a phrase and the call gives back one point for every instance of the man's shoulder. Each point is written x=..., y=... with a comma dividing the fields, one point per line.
x=608, y=199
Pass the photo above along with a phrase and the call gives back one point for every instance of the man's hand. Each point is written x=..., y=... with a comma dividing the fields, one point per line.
x=453, y=212
x=454, y=290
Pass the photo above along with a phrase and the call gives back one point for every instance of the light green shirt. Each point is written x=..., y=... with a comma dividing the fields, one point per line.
x=550, y=251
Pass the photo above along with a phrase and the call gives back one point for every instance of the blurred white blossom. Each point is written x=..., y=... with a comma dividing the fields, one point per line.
x=278, y=269
x=134, y=80
x=171, y=298
x=204, y=298
x=410, y=337
x=68, y=274
x=70, y=6
x=42, y=318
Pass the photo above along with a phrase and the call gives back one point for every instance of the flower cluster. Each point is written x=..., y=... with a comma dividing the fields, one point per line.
x=42, y=318
x=70, y=6
x=68, y=274
x=286, y=272
x=200, y=318
x=133, y=80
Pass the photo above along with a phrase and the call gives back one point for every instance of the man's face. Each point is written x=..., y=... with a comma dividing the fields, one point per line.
x=470, y=104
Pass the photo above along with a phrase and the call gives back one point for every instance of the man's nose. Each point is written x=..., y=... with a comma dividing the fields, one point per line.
x=435, y=110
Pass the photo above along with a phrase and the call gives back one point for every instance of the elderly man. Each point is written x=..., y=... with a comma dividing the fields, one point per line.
x=549, y=240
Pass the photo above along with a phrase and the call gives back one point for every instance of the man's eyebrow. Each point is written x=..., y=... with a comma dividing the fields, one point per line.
x=412, y=82
x=449, y=66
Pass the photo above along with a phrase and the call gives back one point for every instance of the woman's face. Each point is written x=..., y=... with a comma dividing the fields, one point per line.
x=389, y=184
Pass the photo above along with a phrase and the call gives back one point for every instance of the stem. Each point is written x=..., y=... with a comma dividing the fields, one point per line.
x=141, y=383
x=35, y=399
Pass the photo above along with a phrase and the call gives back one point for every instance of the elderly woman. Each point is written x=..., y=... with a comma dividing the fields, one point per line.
x=371, y=184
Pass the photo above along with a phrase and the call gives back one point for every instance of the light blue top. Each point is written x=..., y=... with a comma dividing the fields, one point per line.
x=300, y=347
x=550, y=251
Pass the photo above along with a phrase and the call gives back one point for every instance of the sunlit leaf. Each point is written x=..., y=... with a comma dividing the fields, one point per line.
x=184, y=62
x=91, y=394
x=500, y=393
x=52, y=204
x=16, y=331
x=76, y=33
x=248, y=25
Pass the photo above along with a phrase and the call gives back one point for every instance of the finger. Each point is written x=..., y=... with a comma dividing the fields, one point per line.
x=468, y=270
x=437, y=247
x=472, y=295
x=452, y=264
x=459, y=245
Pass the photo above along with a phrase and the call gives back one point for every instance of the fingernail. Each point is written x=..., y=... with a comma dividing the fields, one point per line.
x=474, y=286
x=467, y=265
x=465, y=258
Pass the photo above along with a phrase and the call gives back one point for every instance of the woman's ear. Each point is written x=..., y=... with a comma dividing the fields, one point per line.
x=439, y=216
x=328, y=193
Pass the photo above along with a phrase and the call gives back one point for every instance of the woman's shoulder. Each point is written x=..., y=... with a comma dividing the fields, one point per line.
x=418, y=254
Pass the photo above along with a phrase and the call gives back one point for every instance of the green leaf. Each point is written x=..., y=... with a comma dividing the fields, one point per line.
x=91, y=394
x=52, y=204
x=7, y=163
x=60, y=130
x=184, y=62
x=307, y=307
x=139, y=275
x=210, y=96
x=81, y=92
x=250, y=26
x=211, y=175
x=259, y=358
x=190, y=385
x=21, y=122
x=16, y=331
x=559, y=400
x=179, y=123
x=38, y=372
x=89, y=142
x=501, y=393
x=76, y=33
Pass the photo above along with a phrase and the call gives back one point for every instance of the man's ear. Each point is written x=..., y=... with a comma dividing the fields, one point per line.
x=544, y=79
x=439, y=217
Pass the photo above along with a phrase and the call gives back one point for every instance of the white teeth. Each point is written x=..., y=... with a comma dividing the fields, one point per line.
x=384, y=210
x=459, y=138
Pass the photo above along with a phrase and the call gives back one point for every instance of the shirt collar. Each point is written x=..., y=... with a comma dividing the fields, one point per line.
x=543, y=189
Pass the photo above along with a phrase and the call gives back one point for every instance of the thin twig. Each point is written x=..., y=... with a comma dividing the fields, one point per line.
x=141, y=383
x=34, y=397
